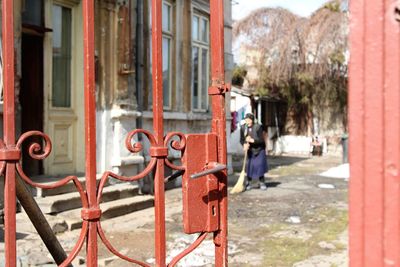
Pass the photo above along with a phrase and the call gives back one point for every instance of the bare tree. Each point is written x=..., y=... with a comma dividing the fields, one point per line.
x=301, y=59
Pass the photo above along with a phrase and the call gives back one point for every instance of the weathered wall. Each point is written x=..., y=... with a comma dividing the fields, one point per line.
x=116, y=84
x=119, y=81
x=180, y=117
x=115, y=54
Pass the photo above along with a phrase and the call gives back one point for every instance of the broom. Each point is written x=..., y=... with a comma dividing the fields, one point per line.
x=239, y=187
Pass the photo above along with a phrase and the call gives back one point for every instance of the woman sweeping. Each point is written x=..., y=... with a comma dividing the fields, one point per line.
x=252, y=139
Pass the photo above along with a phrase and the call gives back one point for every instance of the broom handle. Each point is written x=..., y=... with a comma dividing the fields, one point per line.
x=244, y=160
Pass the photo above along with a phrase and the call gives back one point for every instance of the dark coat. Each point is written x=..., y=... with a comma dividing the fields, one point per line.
x=256, y=132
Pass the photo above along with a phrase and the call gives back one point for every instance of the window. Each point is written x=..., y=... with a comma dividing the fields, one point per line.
x=200, y=62
x=167, y=53
x=167, y=41
x=62, y=36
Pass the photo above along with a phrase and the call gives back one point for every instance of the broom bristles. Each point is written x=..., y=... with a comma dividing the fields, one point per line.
x=239, y=187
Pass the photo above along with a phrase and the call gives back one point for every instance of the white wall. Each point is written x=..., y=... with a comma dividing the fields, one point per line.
x=240, y=104
x=292, y=144
x=113, y=127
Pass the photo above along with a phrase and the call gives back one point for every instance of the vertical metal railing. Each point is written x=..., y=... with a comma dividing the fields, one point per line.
x=90, y=126
x=158, y=126
x=1, y=71
x=9, y=130
x=219, y=122
x=374, y=106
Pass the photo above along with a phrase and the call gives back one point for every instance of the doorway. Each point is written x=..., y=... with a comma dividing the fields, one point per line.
x=31, y=97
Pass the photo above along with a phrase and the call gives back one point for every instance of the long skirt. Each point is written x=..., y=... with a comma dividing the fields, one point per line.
x=256, y=165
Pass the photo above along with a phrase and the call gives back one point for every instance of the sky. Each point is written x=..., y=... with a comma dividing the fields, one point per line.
x=241, y=8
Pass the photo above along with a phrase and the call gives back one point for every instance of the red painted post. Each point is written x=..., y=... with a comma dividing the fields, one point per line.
x=158, y=126
x=373, y=120
x=374, y=135
x=90, y=126
x=9, y=130
x=219, y=123
x=391, y=155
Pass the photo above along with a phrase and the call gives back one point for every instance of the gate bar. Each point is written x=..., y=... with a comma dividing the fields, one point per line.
x=374, y=125
x=90, y=126
x=9, y=130
x=219, y=124
x=158, y=126
x=391, y=106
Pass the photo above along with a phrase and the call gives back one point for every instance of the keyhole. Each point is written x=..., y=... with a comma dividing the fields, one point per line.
x=213, y=210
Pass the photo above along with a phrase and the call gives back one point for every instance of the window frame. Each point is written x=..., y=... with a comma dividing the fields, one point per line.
x=69, y=58
x=202, y=45
x=72, y=5
x=166, y=34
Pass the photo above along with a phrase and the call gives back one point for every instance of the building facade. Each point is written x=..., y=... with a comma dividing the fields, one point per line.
x=49, y=78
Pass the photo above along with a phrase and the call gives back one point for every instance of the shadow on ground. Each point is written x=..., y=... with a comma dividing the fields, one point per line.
x=283, y=161
x=18, y=235
x=272, y=184
x=273, y=161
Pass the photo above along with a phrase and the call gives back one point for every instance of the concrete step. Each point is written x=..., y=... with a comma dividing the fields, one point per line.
x=68, y=188
x=69, y=201
x=109, y=210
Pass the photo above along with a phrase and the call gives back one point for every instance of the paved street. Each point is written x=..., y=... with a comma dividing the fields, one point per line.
x=301, y=220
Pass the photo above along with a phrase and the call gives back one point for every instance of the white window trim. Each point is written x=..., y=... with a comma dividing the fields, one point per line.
x=49, y=58
x=202, y=46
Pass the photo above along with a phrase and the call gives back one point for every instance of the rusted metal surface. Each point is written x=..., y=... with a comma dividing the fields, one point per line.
x=391, y=143
x=9, y=131
x=219, y=125
x=90, y=126
x=206, y=191
x=158, y=126
x=200, y=194
x=374, y=134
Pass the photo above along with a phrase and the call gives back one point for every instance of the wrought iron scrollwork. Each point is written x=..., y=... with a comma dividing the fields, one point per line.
x=35, y=148
x=175, y=144
x=41, y=150
x=156, y=151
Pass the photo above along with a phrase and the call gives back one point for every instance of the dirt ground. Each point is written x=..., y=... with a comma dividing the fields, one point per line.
x=301, y=221
x=294, y=223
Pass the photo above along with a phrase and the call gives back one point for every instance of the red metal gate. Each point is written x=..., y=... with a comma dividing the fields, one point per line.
x=374, y=133
x=204, y=155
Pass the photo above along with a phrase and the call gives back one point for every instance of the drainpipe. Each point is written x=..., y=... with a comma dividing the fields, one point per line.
x=139, y=71
x=131, y=78
x=139, y=63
